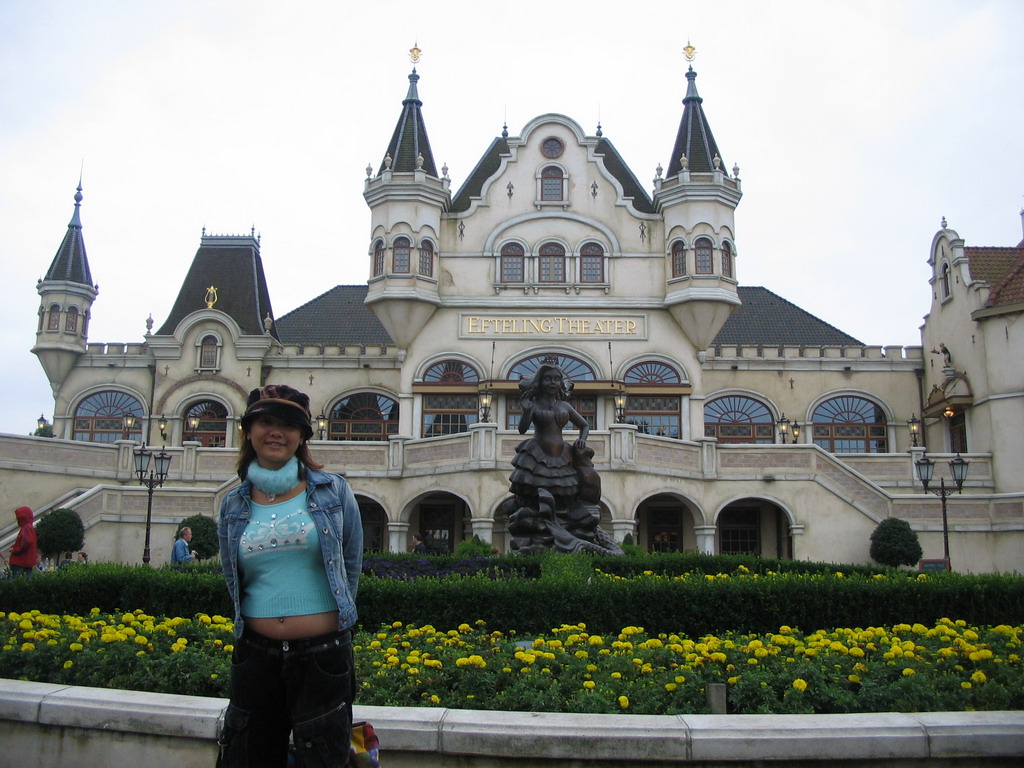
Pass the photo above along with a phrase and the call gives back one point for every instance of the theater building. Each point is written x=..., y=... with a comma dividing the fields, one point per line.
x=723, y=417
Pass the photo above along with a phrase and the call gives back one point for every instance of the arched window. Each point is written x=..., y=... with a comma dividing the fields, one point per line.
x=552, y=263
x=591, y=263
x=551, y=183
x=850, y=424
x=945, y=280
x=363, y=416
x=450, y=372
x=209, y=352
x=71, y=321
x=678, y=259
x=427, y=258
x=99, y=418
x=512, y=263
x=207, y=422
x=726, y=260
x=652, y=372
x=378, y=258
x=738, y=419
x=375, y=523
x=400, y=256
x=53, y=324
x=702, y=254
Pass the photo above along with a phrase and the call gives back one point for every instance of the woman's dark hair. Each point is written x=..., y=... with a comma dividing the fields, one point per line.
x=531, y=386
x=247, y=454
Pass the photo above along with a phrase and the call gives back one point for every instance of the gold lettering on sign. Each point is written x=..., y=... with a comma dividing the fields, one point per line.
x=551, y=325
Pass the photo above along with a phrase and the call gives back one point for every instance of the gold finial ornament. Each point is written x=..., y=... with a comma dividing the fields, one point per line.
x=415, y=53
x=689, y=52
x=211, y=297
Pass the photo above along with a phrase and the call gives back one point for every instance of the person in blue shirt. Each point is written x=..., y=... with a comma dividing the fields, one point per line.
x=180, y=554
x=291, y=547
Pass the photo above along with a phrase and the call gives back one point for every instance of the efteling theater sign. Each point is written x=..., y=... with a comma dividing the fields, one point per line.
x=474, y=326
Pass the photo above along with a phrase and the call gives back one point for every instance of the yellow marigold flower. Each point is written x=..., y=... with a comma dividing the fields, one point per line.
x=733, y=680
x=588, y=684
x=624, y=702
x=228, y=648
x=596, y=640
x=28, y=647
x=670, y=687
x=680, y=679
x=800, y=684
x=69, y=664
x=76, y=646
x=435, y=699
x=966, y=686
x=857, y=651
x=853, y=678
x=979, y=677
x=591, y=667
x=907, y=672
x=616, y=675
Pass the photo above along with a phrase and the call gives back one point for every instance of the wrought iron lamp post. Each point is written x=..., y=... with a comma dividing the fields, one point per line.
x=915, y=427
x=620, y=406
x=193, y=425
x=128, y=422
x=486, y=398
x=796, y=432
x=321, y=424
x=152, y=478
x=783, y=428
x=958, y=470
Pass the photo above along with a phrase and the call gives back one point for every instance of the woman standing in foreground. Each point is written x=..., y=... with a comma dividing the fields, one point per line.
x=291, y=546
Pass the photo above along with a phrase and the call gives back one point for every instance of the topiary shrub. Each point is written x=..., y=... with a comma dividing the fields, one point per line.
x=474, y=547
x=59, y=530
x=895, y=543
x=204, y=535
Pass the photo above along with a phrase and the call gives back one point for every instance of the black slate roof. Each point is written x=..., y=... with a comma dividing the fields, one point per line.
x=410, y=137
x=767, y=319
x=70, y=264
x=630, y=186
x=339, y=316
x=485, y=168
x=336, y=317
x=694, y=138
x=233, y=266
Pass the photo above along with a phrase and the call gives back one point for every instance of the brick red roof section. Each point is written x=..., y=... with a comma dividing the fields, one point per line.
x=1002, y=269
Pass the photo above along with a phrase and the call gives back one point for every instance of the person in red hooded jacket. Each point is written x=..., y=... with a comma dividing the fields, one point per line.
x=24, y=555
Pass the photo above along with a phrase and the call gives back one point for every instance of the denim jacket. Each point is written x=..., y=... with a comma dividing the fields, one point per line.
x=334, y=510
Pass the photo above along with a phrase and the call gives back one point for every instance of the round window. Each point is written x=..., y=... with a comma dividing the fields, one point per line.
x=552, y=147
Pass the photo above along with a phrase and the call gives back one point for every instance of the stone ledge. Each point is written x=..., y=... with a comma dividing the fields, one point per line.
x=49, y=724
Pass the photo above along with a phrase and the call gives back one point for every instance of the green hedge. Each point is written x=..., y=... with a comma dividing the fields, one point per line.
x=677, y=595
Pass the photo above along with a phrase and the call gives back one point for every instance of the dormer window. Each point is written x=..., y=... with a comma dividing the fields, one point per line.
x=678, y=259
x=208, y=353
x=427, y=258
x=591, y=263
x=513, y=263
x=400, y=255
x=551, y=183
x=552, y=263
x=703, y=249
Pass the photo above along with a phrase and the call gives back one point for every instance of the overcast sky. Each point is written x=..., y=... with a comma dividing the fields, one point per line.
x=856, y=125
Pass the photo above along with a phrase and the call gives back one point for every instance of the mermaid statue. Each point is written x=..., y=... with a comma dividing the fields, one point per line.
x=556, y=488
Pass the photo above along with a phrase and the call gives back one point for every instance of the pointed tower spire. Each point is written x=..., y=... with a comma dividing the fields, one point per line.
x=409, y=142
x=694, y=139
x=71, y=263
x=66, y=297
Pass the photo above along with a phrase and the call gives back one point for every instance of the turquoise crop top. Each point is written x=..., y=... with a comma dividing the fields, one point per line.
x=280, y=564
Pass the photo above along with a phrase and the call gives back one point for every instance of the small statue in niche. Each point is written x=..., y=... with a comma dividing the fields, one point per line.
x=557, y=490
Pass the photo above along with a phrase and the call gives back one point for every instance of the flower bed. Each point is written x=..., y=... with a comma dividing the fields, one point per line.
x=948, y=665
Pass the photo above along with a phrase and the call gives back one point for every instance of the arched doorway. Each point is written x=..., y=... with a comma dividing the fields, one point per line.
x=375, y=525
x=753, y=527
x=665, y=524
x=440, y=518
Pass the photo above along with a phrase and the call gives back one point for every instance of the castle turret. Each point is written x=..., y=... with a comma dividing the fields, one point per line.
x=67, y=294
x=698, y=200
x=407, y=199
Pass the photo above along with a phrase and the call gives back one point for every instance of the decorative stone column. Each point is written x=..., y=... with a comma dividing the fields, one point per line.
x=483, y=528
x=483, y=445
x=398, y=536
x=622, y=439
x=621, y=527
x=796, y=530
x=705, y=538
x=396, y=454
